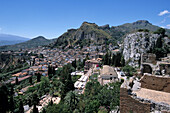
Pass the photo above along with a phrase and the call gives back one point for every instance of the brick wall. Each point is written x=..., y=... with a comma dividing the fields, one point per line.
x=129, y=105
x=156, y=83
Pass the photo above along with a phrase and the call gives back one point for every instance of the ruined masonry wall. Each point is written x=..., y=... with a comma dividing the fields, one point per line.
x=156, y=83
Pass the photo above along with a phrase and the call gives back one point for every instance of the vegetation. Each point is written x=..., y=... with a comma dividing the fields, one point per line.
x=96, y=98
x=129, y=70
x=115, y=59
x=160, y=49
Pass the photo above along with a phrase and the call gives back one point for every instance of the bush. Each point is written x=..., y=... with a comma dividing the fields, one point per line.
x=129, y=70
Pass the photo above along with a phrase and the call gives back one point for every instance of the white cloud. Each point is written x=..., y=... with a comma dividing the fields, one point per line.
x=168, y=26
x=162, y=26
x=163, y=12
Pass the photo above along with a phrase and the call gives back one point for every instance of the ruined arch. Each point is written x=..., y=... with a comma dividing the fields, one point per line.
x=146, y=68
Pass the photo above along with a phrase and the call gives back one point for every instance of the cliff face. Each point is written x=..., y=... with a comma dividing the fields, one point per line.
x=136, y=44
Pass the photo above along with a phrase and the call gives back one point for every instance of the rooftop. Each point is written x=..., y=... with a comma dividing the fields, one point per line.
x=108, y=71
x=157, y=96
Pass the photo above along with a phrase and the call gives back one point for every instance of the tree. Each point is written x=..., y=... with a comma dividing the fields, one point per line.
x=38, y=77
x=21, y=108
x=43, y=111
x=35, y=99
x=159, y=48
x=16, y=81
x=12, y=90
x=51, y=102
x=35, y=109
x=122, y=61
x=92, y=106
x=160, y=31
x=50, y=76
x=33, y=61
x=30, y=80
x=129, y=70
x=29, y=102
x=74, y=64
x=11, y=104
x=4, y=106
x=71, y=100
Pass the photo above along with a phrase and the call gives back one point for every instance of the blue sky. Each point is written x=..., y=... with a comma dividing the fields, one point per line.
x=51, y=18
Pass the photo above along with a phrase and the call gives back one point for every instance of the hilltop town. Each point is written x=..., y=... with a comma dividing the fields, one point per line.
x=131, y=76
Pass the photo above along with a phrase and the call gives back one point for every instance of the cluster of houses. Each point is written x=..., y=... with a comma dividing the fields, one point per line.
x=42, y=57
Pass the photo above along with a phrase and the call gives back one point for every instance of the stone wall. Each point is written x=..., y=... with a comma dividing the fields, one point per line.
x=128, y=104
x=156, y=83
x=149, y=58
x=165, y=67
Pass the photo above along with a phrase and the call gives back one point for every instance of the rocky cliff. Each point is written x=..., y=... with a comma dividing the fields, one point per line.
x=136, y=44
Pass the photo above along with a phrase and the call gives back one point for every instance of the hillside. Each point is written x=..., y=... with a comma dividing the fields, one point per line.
x=90, y=33
x=35, y=42
x=87, y=33
x=6, y=39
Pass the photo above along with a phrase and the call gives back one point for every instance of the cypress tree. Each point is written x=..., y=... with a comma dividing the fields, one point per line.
x=16, y=81
x=35, y=109
x=30, y=80
x=11, y=104
x=51, y=103
x=38, y=77
x=12, y=91
x=21, y=108
x=44, y=111
x=4, y=106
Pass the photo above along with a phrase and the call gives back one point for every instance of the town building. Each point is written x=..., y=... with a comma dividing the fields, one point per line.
x=107, y=75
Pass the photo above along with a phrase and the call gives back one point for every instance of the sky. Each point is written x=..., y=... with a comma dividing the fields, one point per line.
x=51, y=18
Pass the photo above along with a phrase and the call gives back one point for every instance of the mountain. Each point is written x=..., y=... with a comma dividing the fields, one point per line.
x=91, y=33
x=6, y=39
x=35, y=42
x=86, y=34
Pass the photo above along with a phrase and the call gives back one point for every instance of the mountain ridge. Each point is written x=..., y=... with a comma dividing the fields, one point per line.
x=32, y=43
x=8, y=39
x=92, y=33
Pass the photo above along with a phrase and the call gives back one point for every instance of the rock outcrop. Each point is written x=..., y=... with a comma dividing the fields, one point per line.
x=136, y=44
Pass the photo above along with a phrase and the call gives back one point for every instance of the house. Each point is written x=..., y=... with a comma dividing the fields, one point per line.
x=107, y=75
x=90, y=63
